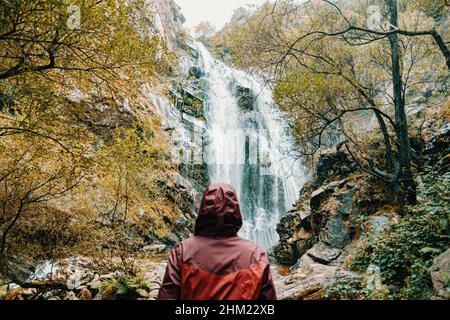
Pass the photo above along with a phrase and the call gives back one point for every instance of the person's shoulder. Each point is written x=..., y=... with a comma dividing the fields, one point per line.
x=252, y=246
x=189, y=242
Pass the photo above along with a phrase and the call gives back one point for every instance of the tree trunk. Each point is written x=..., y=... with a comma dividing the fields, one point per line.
x=405, y=176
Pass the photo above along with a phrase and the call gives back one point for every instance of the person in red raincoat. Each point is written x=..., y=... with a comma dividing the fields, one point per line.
x=216, y=264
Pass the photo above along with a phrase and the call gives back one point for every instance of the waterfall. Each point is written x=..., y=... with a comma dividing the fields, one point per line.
x=249, y=149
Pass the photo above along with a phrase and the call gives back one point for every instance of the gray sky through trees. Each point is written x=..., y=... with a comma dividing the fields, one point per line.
x=217, y=12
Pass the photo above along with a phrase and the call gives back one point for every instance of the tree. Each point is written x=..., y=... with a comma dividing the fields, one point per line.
x=404, y=175
x=95, y=37
x=54, y=74
x=321, y=42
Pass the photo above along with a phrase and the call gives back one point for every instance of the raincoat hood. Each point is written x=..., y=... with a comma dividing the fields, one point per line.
x=219, y=214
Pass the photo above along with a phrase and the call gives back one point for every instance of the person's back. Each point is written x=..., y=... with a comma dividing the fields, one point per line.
x=216, y=264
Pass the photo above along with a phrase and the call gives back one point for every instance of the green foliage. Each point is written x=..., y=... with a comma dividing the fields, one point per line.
x=343, y=292
x=406, y=250
x=124, y=288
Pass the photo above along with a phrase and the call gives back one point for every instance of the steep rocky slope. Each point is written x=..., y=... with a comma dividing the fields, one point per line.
x=339, y=210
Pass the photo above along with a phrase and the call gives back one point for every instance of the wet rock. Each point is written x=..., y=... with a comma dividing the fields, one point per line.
x=331, y=214
x=246, y=98
x=155, y=248
x=188, y=97
x=196, y=72
x=312, y=282
x=338, y=206
x=185, y=196
x=440, y=274
x=335, y=233
x=285, y=252
x=303, y=240
x=294, y=230
x=303, y=263
x=54, y=298
x=323, y=253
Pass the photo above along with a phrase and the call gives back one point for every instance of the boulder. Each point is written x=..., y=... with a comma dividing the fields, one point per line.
x=323, y=253
x=284, y=253
x=303, y=263
x=295, y=231
x=440, y=274
x=320, y=194
x=303, y=240
x=338, y=207
x=154, y=248
x=294, y=239
x=311, y=283
x=335, y=232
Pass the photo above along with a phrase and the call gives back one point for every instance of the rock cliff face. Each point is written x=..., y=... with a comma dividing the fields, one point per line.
x=168, y=22
x=339, y=206
x=182, y=113
x=331, y=208
x=440, y=274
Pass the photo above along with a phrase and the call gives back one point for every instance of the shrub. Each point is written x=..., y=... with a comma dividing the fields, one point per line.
x=405, y=251
x=124, y=288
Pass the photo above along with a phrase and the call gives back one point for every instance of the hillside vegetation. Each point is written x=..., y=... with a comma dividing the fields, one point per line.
x=364, y=86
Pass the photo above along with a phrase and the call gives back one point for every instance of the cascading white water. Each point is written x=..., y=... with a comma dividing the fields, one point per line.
x=250, y=149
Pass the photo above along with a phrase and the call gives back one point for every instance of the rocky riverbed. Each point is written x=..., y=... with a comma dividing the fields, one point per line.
x=73, y=279
x=310, y=278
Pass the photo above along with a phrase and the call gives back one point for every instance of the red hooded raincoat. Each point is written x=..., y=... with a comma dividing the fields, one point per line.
x=216, y=264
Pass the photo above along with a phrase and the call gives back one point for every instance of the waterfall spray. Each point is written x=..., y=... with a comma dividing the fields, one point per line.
x=250, y=149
